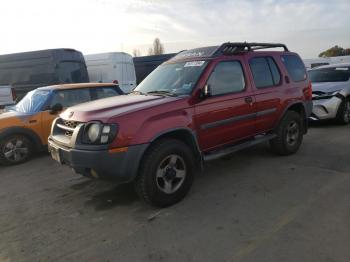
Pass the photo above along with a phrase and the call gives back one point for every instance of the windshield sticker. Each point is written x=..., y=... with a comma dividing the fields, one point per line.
x=194, y=63
x=187, y=86
x=342, y=68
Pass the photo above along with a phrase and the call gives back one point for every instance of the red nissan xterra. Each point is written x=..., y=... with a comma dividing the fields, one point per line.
x=200, y=105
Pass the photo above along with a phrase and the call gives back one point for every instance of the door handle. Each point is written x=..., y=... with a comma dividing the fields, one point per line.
x=248, y=100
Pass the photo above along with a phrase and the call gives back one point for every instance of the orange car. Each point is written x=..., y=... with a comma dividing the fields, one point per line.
x=25, y=127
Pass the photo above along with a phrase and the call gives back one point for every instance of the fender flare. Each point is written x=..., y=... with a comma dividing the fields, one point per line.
x=306, y=110
x=23, y=131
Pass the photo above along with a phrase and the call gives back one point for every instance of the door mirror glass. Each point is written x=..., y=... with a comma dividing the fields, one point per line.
x=56, y=108
x=206, y=91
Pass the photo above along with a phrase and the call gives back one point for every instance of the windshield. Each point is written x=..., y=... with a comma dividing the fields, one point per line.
x=334, y=74
x=32, y=102
x=176, y=79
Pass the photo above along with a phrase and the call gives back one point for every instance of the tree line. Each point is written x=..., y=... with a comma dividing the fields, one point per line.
x=156, y=49
x=335, y=51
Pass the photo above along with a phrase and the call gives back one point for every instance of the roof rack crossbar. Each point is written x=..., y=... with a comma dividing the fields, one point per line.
x=232, y=48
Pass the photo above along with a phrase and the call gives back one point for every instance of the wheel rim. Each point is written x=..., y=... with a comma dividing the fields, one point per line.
x=347, y=112
x=292, y=133
x=171, y=174
x=15, y=150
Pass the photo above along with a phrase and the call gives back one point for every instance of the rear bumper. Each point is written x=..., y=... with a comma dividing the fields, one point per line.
x=325, y=108
x=120, y=166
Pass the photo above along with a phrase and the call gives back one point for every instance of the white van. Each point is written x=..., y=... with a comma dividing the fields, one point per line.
x=112, y=67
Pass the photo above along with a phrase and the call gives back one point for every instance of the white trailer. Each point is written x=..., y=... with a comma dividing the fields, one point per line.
x=112, y=67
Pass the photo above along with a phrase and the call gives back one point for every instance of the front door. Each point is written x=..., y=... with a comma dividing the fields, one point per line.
x=227, y=115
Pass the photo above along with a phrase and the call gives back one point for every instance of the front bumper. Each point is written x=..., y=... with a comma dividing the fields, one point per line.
x=325, y=108
x=119, y=166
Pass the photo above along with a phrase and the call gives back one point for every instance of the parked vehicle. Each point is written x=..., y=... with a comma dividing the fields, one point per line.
x=25, y=127
x=331, y=92
x=144, y=65
x=29, y=70
x=7, y=96
x=112, y=68
x=200, y=105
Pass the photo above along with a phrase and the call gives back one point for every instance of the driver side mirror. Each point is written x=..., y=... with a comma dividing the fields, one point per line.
x=56, y=108
x=206, y=91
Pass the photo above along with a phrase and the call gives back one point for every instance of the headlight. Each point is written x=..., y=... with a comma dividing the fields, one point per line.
x=98, y=133
x=94, y=132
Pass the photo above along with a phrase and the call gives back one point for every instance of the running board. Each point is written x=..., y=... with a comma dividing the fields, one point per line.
x=229, y=150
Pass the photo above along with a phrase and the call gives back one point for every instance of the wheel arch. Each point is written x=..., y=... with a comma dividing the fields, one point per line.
x=31, y=135
x=301, y=109
x=185, y=135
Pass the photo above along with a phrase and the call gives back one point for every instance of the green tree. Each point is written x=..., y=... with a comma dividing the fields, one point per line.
x=335, y=51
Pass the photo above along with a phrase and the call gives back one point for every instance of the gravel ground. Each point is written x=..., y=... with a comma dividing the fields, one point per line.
x=253, y=206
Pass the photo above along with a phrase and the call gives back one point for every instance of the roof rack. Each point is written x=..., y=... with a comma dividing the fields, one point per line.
x=239, y=47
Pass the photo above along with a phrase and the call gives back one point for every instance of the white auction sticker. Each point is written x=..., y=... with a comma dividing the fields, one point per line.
x=194, y=63
x=342, y=68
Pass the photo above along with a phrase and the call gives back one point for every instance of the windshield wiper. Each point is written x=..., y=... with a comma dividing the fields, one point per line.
x=161, y=92
x=137, y=93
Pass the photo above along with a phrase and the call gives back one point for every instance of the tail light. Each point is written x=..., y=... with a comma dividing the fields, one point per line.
x=308, y=91
x=115, y=82
x=13, y=92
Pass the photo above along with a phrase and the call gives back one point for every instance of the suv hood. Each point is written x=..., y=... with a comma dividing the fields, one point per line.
x=328, y=87
x=103, y=109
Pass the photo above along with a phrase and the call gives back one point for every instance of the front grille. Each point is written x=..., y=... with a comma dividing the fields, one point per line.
x=68, y=127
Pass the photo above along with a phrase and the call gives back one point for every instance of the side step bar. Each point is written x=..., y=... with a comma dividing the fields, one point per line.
x=229, y=150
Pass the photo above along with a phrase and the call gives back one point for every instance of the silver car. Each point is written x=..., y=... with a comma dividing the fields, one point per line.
x=331, y=92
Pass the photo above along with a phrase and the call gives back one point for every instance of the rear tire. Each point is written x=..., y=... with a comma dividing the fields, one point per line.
x=343, y=114
x=15, y=149
x=289, y=134
x=166, y=173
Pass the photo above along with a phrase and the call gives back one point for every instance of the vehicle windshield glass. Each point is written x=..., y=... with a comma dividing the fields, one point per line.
x=174, y=78
x=334, y=74
x=32, y=102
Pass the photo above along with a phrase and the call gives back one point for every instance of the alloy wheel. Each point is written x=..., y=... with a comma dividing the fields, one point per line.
x=171, y=174
x=292, y=133
x=15, y=150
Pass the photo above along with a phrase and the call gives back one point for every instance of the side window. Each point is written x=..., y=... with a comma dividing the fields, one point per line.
x=295, y=67
x=70, y=97
x=276, y=75
x=265, y=72
x=103, y=92
x=227, y=77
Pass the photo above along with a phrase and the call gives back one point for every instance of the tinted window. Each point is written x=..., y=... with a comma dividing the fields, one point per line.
x=261, y=72
x=295, y=67
x=334, y=74
x=103, y=92
x=276, y=76
x=70, y=72
x=227, y=77
x=71, y=97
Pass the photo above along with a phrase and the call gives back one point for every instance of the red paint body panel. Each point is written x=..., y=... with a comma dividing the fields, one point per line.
x=141, y=118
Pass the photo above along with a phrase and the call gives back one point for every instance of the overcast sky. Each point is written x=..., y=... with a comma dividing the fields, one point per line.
x=93, y=26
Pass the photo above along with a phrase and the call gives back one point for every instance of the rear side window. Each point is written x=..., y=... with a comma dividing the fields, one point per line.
x=226, y=78
x=295, y=67
x=265, y=72
x=70, y=97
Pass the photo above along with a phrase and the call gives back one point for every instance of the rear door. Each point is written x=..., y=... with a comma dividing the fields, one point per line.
x=267, y=82
x=228, y=114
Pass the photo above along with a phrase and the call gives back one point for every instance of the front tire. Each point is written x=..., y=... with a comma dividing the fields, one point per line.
x=15, y=149
x=343, y=115
x=166, y=173
x=289, y=134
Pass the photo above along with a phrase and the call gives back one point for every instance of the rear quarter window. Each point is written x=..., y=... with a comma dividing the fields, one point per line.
x=295, y=67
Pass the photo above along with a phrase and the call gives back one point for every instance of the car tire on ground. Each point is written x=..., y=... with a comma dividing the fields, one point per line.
x=343, y=114
x=166, y=173
x=15, y=149
x=289, y=134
